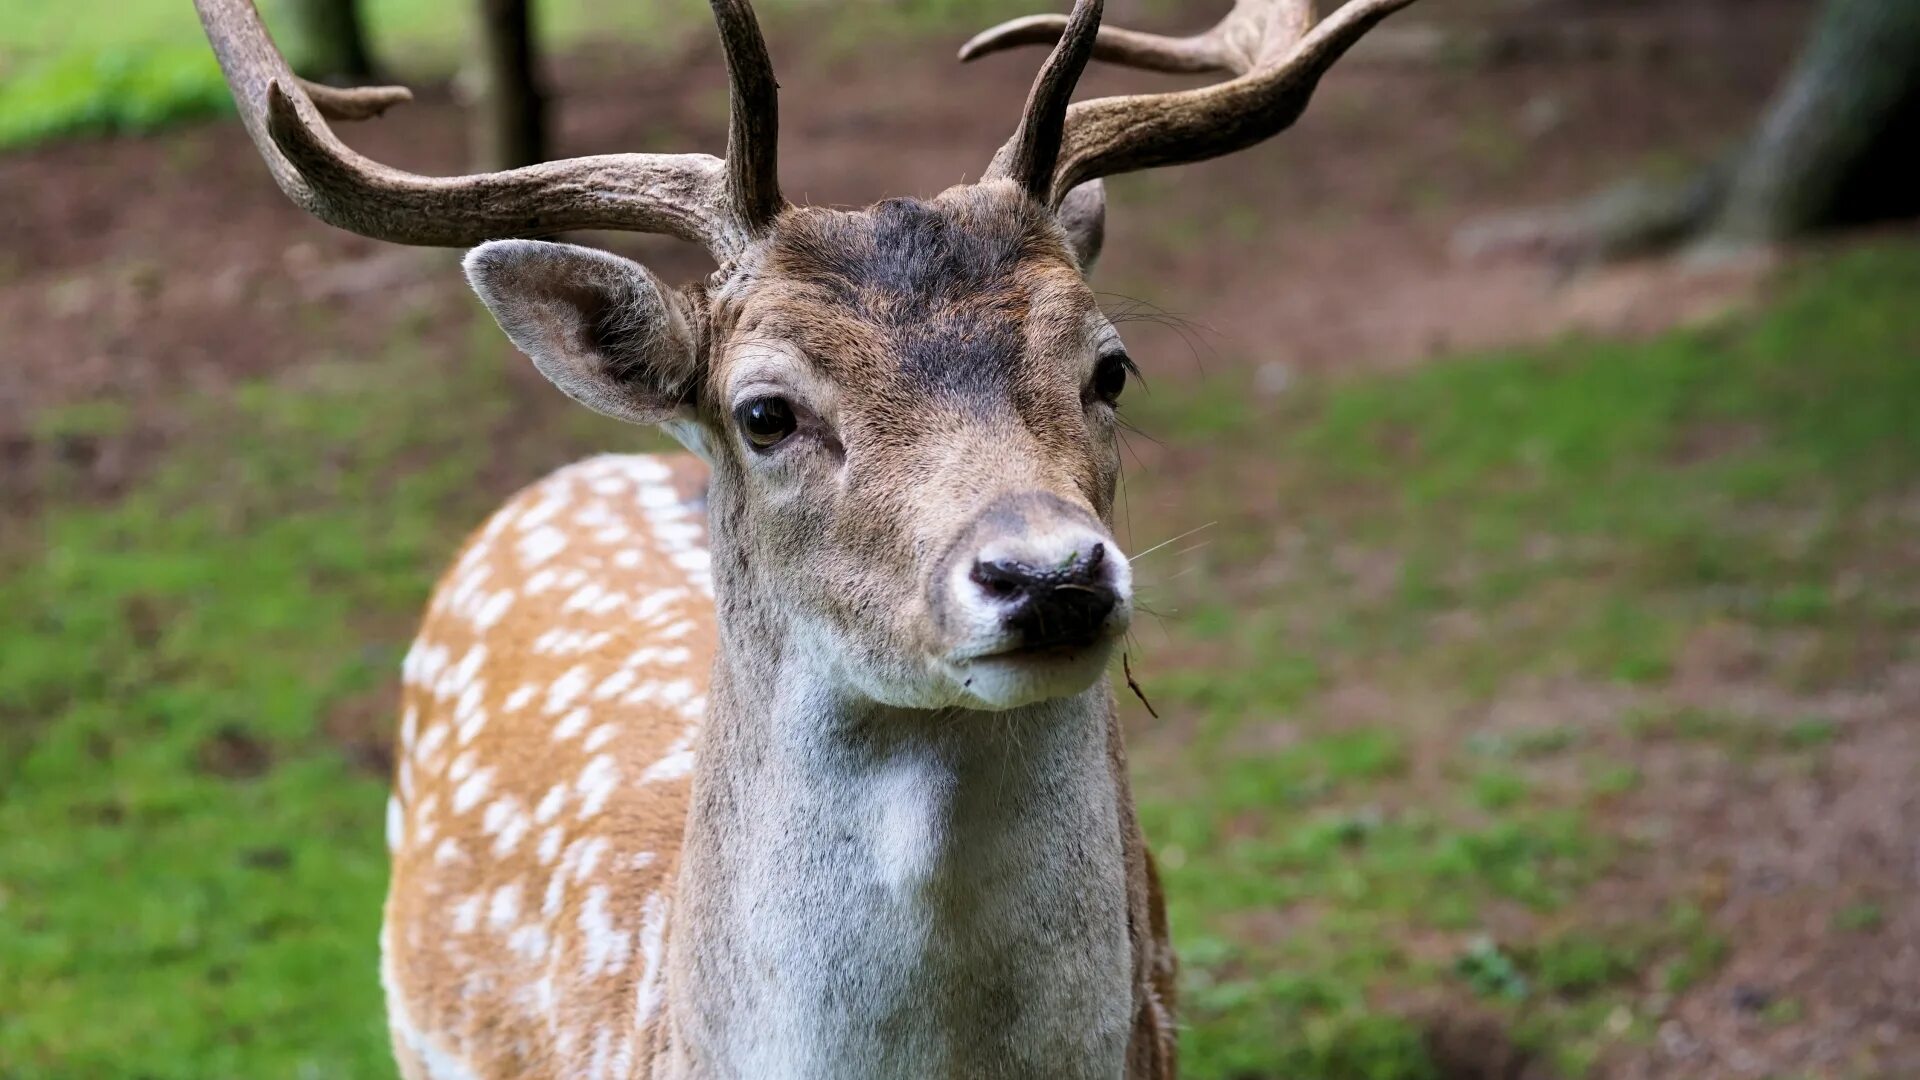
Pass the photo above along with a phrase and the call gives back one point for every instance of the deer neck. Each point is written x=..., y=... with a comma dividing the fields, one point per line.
x=871, y=891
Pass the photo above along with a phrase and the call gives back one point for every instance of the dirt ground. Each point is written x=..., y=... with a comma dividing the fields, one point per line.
x=142, y=270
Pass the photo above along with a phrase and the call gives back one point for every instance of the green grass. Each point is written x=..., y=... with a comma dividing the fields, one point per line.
x=191, y=867
x=1569, y=516
x=107, y=66
x=1858, y=917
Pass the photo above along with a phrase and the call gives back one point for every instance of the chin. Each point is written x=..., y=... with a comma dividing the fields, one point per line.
x=1011, y=679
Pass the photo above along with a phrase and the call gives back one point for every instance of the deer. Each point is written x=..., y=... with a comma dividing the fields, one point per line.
x=793, y=755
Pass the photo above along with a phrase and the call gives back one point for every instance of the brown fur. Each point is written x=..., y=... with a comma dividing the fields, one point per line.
x=561, y=675
x=452, y=969
x=952, y=333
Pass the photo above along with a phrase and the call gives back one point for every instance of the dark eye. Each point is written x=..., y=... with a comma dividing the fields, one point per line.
x=1110, y=377
x=766, y=421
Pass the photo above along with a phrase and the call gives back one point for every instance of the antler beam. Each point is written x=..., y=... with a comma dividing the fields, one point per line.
x=697, y=197
x=1273, y=48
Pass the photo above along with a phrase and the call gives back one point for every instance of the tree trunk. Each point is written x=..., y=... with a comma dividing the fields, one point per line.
x=509, y=116
x=1837, y=143
x=334, y=44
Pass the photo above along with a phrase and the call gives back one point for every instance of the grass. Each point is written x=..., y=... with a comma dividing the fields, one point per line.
x=110, y=66
x=1459, y=537
x=191, y=865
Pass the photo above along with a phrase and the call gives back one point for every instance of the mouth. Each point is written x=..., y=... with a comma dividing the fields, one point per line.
x=1023, y=675
x=1048, y=651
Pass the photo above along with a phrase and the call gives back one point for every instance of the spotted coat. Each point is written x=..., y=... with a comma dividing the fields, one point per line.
x=550, y=712
x=550, y=708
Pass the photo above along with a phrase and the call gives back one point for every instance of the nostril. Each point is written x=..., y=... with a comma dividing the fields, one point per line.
x=1001, y=580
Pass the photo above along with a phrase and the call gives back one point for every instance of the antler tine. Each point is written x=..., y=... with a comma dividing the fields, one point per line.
x=1234, y=45
x=1029, y=157
x=354, y=103
x=753, y=123
x=695, y=197
x=1272, y=47
x=1195, y=55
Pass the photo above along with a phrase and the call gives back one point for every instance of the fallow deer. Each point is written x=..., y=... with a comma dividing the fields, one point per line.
x=792, y=757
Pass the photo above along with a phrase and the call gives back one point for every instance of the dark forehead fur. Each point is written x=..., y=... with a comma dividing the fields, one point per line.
x=950, y=283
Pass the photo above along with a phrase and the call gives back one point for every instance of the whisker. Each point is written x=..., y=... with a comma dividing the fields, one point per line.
x=1172, y=539
x=1191, y=548
x=1130, y=426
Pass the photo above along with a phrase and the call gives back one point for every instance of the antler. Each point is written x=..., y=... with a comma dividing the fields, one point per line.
x=1272, y=47
x=697, y=197
x=1029, y=157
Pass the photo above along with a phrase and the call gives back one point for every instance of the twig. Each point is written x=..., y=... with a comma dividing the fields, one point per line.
x=1127, y=667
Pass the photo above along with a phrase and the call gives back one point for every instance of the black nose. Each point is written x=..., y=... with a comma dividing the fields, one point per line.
x=1052, y=606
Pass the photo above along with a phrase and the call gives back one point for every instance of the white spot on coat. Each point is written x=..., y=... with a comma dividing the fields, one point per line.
x=466, y=914
x=471, y=791
x=596, y=784
x=571, y=724
x=614, y=684
x=493, y=610
x=431, y=742
x=504, y=909
x=550, y=804
x=653, y=931
x=396, y=824
x=506, y=821
x=566, y=688
x=540, y=545
x=529, y=943
x=589, y=860
x=549, y=848
x=603, y=949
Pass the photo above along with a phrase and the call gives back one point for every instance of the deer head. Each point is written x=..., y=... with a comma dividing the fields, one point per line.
x=909, y=410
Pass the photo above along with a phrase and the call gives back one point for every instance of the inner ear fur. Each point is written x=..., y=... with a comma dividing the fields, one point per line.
x=601, y=328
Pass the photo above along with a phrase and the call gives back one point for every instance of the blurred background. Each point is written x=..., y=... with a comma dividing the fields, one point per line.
x=1529, y=461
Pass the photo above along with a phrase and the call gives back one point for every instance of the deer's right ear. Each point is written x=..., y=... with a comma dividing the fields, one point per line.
x=602, y=328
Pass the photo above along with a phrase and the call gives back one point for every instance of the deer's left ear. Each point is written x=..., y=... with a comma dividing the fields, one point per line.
x=1083, y=214
x=602, y=328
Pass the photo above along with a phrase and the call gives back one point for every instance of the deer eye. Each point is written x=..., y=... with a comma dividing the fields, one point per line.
x=1110, y=377
x=767, y=421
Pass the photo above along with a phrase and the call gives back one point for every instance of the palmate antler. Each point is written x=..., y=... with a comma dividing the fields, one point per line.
x=697, y=197
x=1273, y=48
